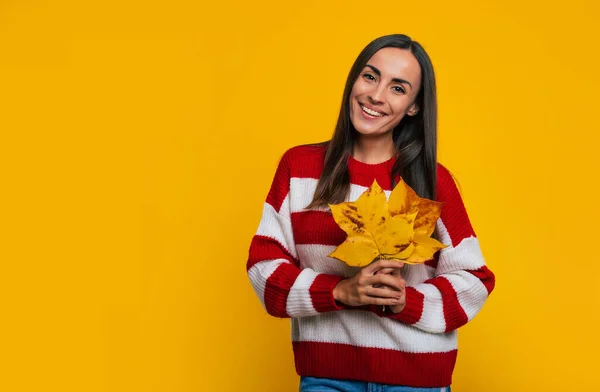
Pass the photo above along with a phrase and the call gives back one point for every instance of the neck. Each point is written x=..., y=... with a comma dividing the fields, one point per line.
x=374, y=150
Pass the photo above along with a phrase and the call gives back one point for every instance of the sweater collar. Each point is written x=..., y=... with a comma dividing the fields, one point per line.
x=370, y=169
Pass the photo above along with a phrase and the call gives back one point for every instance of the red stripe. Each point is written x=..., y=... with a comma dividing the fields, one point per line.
x=266, y=248
x=487, y=277
x=454, y=215
x=433, y=263
x=316, y=227
x=308, y=161
x=321, y=293
x=329, y=360
x=454, y=314
x=363, y=174
x=280, y=186
x=278, y=287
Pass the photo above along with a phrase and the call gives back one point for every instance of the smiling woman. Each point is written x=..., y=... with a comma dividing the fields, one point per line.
x=342, y=339
x=379, y=99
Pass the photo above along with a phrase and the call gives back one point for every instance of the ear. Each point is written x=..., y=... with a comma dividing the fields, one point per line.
x=413, y=109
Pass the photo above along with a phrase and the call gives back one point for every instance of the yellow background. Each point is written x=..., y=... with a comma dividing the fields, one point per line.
x=139, y=139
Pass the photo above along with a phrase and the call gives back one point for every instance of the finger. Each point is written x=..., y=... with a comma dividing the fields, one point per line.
x=380, y=301
x=386, y=271
x=397, y=272
x=379, y=264
x=383, y=292
x=395, y=282
x=400, y=262
x=382, y=286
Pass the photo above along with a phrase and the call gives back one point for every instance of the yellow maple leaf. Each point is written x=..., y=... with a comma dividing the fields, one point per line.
x=376, y=228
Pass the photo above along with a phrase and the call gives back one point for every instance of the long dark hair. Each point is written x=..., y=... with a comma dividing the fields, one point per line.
x=415, y=137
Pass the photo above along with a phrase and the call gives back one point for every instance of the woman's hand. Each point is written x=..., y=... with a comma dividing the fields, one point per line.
x=397, y=308
x=371, y=286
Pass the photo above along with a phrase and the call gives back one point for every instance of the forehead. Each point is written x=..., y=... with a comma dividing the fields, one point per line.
x=397, y=63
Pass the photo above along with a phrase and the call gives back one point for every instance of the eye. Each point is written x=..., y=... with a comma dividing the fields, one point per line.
x=399, y=90
x=369, y=76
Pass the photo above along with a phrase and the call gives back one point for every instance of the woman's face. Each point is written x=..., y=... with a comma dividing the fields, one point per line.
x=385, y=91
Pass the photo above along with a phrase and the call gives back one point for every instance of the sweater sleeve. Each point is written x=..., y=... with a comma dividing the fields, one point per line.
x=462, y=281
x=283, y=288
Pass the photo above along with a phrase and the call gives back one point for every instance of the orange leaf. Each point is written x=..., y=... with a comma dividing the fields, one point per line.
x=429, y=213
x=425, y=248
x=403, y=199
x=380, y=229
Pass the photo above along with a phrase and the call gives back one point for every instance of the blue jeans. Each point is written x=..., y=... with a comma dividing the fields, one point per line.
x=314, y=384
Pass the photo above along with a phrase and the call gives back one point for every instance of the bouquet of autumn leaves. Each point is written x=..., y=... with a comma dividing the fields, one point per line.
x=399, y=228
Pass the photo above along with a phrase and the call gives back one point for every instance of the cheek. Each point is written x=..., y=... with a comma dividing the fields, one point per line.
x=400, y=106
x=358, y=88
x=353, y=94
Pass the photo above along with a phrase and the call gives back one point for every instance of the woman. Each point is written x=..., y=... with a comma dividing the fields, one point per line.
x=343, y=338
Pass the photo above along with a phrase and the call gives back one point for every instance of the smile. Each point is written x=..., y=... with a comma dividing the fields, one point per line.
x=371, y=112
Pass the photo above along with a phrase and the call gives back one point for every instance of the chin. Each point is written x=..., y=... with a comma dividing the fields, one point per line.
x=366, y=131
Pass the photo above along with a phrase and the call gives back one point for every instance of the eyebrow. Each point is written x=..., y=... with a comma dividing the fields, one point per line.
x=397, y=80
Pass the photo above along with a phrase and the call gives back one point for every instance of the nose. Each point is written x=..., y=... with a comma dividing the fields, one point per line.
x=377, y=94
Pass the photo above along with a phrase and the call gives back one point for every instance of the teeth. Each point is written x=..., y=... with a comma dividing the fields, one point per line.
x=371, y=112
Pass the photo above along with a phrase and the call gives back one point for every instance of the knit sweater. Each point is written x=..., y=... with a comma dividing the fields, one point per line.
x=290, y=271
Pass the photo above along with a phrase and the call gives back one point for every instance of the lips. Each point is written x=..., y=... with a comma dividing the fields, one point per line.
x=371, y=111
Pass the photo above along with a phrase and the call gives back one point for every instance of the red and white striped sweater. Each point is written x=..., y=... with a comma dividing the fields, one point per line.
x=292, y=275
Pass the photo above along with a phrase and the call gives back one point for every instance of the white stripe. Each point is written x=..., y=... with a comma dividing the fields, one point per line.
x=465, y=256
x=260, y=272
x=357, y=190
x=278, y=227
x=470, y=290
x=299, y=303
x=366, y=329
x=417, y=274
x=432, y=318
x=302, y=191
x=316, y=258
x=284, y=210
x=443, y=233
